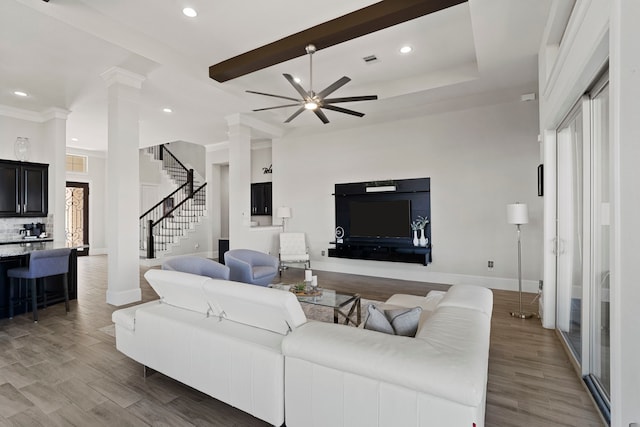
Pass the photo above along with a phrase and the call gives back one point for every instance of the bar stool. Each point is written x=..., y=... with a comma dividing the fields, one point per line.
x=43, y=263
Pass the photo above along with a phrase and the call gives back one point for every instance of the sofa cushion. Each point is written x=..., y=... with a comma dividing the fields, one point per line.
x=377, y=321
x=126, y=317
x=183, y=290
x=450, y=361
x=271, y=309
x=470, y=297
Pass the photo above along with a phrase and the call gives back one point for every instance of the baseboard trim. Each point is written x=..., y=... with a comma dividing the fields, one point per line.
x=119, y=298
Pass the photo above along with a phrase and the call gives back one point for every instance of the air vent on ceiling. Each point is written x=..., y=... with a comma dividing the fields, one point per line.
x=370, y=59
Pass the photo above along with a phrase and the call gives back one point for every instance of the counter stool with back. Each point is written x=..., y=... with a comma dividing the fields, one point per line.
x=44, y=263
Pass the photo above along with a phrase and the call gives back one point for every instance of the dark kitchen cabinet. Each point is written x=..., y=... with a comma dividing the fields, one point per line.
x=261, y=198
x=24, y=189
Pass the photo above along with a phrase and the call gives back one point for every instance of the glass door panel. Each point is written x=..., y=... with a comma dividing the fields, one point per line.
x=599, y=344
x=77, y=216
x=569, y=259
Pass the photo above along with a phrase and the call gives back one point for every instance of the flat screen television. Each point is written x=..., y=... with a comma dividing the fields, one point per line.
x=380, y=219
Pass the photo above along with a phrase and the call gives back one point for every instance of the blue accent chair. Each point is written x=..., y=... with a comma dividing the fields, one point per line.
x=43, y=263
x=197, y=265
x=253, y=267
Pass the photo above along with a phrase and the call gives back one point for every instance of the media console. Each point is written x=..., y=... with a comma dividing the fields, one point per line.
x=405, y=253
x=373, y=220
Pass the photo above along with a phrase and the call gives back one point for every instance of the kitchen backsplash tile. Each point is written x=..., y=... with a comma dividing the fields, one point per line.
x=10, y=227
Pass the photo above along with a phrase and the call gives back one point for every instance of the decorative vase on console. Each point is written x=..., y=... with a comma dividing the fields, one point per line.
x=423, y=240
x=419, y=224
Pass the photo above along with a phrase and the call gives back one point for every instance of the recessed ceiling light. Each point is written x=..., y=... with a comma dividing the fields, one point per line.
x=190, y=12
x=297, y=79
x=406, y=49
x=20, y=93
x=74, y=139
x=167, y=110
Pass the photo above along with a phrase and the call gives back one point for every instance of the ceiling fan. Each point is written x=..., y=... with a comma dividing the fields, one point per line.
x=316, y=101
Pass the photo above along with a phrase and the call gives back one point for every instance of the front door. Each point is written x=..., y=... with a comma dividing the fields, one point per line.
x=77, y=216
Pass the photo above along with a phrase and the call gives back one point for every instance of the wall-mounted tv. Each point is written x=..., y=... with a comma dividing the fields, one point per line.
x=380, y=219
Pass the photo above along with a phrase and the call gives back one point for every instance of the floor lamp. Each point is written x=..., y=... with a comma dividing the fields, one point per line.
x=517, y=214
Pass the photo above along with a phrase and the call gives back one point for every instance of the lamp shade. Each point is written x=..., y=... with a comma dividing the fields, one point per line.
x=283, y=212
x=517, y=213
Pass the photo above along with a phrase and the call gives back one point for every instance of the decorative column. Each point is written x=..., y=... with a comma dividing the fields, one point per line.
x=55, y=133
x=123, y=186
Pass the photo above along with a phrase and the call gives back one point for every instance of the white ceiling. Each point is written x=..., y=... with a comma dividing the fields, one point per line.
x=481, y=51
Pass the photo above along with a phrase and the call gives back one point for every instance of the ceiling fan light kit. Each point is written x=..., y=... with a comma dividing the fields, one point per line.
x=316, y=101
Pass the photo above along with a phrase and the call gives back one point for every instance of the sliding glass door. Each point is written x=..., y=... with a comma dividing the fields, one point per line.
x=569, y=238
x=583, y=253
x=600, y=246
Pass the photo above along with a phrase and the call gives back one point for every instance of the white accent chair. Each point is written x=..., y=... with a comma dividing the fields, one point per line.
x=293, y=249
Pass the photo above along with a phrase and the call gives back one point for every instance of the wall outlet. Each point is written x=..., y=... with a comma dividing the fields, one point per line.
x=322, y=253
x=489, y=265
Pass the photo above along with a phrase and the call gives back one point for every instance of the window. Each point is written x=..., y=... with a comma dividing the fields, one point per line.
x=76, y=163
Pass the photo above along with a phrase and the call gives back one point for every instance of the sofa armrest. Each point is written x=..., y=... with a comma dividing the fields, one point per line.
x=447, y=365
x=126, y=317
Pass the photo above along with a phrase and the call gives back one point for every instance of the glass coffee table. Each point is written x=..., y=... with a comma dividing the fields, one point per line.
x=345, y=306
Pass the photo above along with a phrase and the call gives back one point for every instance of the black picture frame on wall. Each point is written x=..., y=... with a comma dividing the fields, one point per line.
x=540, y=180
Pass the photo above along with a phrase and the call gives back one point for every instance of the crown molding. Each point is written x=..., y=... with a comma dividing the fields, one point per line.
x=34, y=116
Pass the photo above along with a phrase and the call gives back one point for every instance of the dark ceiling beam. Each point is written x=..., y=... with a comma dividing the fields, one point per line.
x=370, y=19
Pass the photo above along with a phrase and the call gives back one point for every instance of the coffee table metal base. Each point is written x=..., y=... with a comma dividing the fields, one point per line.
x=347, y=318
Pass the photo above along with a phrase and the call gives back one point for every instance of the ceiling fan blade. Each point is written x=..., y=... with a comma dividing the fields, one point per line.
x=277, y=106
x=303, y=93
x=350, y=99
x=275, y=96
x=294, y=115
x=333, y=87
x=321, y=115
x=343, y=110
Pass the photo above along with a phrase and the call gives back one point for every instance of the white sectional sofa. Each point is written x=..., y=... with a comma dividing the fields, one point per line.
x=253, y=348
x=220, y=337
x=340, y=376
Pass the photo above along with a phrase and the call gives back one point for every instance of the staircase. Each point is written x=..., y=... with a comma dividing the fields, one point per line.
x=175, y=215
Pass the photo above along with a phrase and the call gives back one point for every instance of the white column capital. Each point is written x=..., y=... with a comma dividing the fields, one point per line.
x=55, y=113
x=258, y=127
x=121, y=76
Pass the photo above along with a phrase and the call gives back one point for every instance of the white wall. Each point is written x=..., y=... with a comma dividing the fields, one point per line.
x=11, y=128
x=479, y=160
x=260, y=158
x=96, y=177
x=189, y=154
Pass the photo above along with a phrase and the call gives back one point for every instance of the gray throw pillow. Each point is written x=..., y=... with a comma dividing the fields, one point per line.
x=377, y=321
x=404, y=320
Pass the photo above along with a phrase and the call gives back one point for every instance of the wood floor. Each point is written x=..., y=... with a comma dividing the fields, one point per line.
x=65, y=371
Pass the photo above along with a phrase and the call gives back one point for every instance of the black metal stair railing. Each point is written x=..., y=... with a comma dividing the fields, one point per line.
x=170, y=217
x=166, y=220
x=170, y=163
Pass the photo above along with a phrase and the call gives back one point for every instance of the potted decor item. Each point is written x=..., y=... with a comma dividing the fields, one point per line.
x=419, y=224
x=414, y=226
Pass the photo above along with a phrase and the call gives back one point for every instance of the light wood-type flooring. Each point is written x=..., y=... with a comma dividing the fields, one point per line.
x=65, y=371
